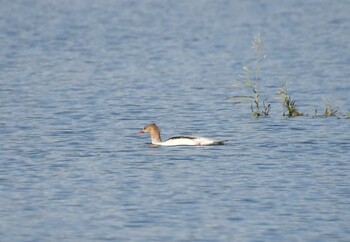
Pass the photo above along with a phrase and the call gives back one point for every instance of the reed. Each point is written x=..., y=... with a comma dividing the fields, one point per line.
x=288, y=103
x=250, y=80
x=330, y=109
x=347, y=115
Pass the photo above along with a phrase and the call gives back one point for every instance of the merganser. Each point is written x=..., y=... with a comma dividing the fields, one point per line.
x=154, y=131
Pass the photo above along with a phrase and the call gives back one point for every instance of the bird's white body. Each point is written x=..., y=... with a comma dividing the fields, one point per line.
x=188, y=140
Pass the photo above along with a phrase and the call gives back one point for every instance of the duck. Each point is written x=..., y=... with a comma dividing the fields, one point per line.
x=154, y=132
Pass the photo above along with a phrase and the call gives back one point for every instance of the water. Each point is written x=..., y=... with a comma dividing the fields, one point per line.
x=78, y=79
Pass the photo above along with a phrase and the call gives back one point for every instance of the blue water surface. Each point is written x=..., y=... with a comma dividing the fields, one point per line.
x=79, y=78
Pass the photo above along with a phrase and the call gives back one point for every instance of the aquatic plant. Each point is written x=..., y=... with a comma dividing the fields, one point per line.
x=329, y=110
x=251, y=93
x=288, y=103
x=347, y=115
x=250, y=81
x=329, y=107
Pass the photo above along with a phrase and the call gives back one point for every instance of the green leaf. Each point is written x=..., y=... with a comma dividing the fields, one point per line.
x=236, y=85
x=247, y=69
x=247, y=84
x=256, y=114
